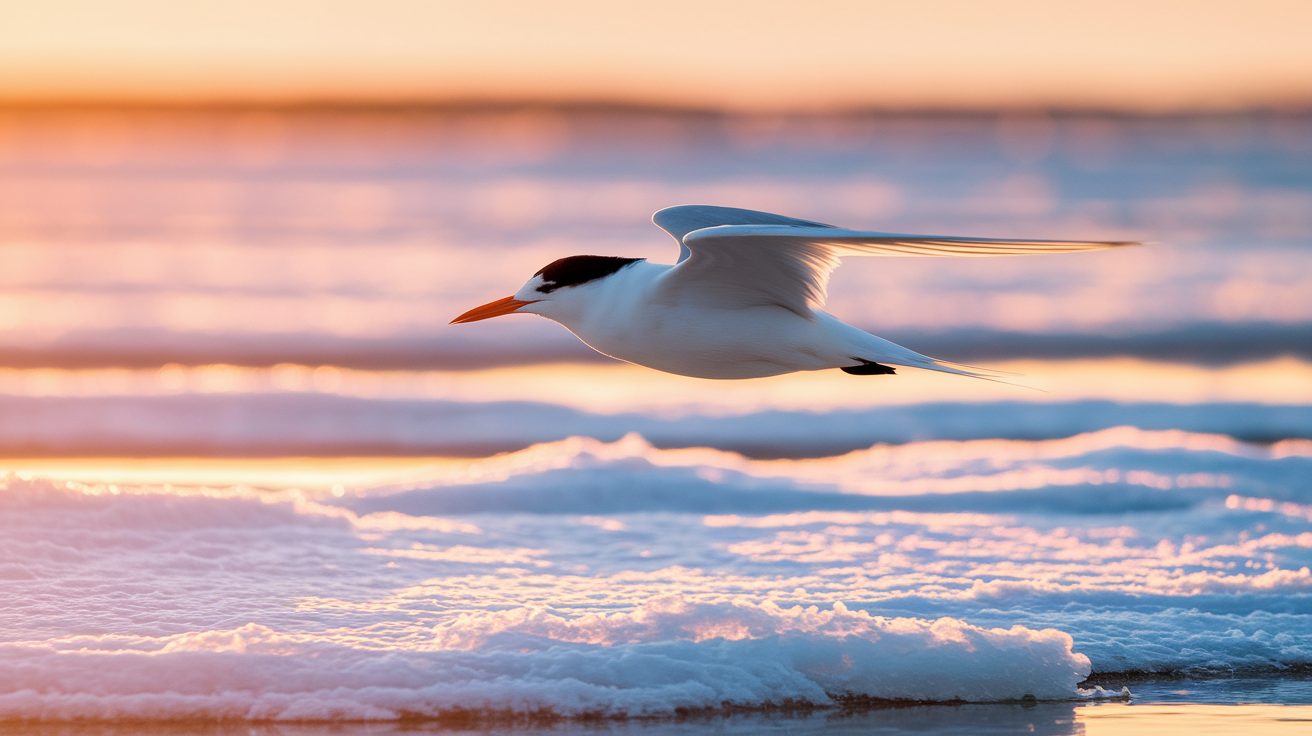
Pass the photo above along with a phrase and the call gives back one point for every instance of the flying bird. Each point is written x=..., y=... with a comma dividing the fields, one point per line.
x=744, y=299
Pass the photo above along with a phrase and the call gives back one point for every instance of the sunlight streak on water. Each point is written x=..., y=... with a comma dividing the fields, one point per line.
x=617, y=387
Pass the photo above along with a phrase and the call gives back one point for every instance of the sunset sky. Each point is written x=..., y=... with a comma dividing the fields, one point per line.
x=759, y=55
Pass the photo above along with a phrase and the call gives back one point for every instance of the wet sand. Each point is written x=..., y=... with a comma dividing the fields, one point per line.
x=1044, y=719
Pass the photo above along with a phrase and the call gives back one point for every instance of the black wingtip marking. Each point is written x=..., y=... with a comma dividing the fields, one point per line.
x=576, y=270
x=868, y=368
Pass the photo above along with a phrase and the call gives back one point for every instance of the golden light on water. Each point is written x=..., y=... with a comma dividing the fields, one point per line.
x=880, y=470
x=612, y=387
x=1163, y=719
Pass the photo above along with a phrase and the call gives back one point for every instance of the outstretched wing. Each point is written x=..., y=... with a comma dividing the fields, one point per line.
x=682, y=219
x=742, y=265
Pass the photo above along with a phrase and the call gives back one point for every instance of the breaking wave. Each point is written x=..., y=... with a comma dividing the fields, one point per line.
x=584, y=578
x=1115, y=471
x=661, y=658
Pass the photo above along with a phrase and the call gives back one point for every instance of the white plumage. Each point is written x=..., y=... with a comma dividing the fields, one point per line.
x=744, y=299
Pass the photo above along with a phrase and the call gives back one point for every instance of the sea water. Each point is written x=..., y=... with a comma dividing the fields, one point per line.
x=255, y=477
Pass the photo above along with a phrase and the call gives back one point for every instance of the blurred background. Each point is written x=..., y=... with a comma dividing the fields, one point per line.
x=233, y=233
x=249, y=474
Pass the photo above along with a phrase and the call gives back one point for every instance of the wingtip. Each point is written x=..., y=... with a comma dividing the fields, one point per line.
x=661, y=218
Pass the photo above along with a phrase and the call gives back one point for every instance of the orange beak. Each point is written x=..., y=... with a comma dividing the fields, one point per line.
x=492, y=309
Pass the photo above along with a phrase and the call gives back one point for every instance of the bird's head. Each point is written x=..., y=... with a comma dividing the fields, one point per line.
x=557, y=291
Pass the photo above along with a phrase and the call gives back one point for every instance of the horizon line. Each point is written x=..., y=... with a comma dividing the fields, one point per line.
x=620, y=106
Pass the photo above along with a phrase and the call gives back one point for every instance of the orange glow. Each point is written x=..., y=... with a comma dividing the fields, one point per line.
x=767, y=54
x=620, y=387
x=916, y=468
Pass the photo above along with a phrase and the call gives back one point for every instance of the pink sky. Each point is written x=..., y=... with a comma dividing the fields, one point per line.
x=764, y=54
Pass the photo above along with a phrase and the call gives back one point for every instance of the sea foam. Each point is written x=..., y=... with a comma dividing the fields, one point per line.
x=745, y=583
x=662, y=657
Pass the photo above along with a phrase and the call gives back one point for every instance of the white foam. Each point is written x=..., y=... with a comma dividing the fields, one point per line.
x=169, y=602
x=664, y=656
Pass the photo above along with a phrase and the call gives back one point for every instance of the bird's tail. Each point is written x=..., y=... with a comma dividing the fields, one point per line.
x=876, y=349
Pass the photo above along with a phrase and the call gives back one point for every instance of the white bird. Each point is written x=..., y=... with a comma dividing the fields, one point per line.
x=744, y=299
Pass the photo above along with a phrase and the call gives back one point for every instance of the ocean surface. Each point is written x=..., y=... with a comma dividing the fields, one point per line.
x=250, y=476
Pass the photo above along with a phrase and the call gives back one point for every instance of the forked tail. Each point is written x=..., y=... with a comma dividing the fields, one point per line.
x=876, y=351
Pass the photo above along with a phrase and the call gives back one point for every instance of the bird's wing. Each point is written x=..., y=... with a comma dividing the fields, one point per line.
x=682, y=219
x=789, y=266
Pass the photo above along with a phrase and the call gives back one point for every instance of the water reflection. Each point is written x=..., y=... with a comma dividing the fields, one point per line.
x=614, y=387
x=1044, y=719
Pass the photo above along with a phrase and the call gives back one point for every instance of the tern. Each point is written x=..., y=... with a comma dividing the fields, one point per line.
x=744, y=298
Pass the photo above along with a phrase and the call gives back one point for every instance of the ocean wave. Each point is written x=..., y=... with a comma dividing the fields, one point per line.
x=934, y=551
x=320, y=424
x=173, y=601
x=1116, y=471
x=662, y=658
